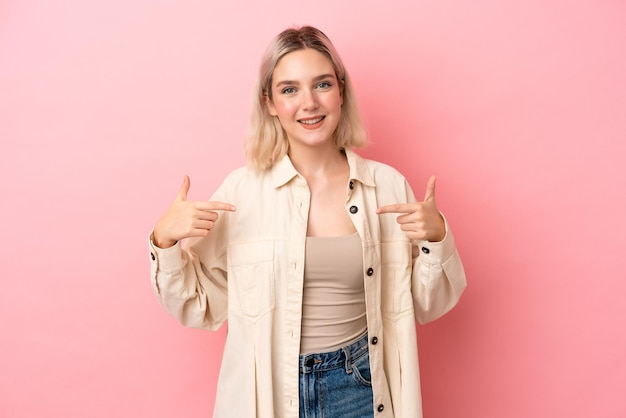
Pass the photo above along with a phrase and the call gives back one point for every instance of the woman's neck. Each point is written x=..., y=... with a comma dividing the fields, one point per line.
x=314, y=162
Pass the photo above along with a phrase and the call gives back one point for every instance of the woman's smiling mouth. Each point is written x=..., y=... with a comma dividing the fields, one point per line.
x=312, y=123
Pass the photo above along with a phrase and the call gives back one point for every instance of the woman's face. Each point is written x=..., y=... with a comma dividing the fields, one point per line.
x=306, y=98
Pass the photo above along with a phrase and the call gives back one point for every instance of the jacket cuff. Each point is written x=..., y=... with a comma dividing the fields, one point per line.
x=439, y=251
x=167, y=260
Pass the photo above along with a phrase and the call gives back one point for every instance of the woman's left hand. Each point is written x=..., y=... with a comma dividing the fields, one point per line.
x=420, y=220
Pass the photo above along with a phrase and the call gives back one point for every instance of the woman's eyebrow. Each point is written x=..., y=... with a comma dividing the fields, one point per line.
x=293, y=82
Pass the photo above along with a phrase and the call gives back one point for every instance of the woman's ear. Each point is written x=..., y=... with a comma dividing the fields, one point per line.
x=270, y=106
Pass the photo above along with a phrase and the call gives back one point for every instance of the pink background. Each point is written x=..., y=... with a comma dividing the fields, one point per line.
x=519, y=107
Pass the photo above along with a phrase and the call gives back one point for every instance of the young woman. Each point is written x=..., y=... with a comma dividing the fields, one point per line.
x=321, y=261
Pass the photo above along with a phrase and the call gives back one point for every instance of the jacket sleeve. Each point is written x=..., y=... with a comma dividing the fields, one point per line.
x=438, y=278
x=190, y=279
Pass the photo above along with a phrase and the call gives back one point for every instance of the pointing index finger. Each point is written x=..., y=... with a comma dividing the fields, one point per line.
x=210, y=206
x=396, y=208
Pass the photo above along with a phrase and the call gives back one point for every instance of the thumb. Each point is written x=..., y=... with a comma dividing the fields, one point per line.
x=430, y=189
x=184, y=189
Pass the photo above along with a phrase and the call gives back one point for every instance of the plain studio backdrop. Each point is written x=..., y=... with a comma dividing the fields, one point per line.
x=519, y=108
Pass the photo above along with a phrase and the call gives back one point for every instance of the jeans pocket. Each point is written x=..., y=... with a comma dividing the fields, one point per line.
x=361, y=370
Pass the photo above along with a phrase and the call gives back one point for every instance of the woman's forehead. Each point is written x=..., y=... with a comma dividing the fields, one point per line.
x=302, y=65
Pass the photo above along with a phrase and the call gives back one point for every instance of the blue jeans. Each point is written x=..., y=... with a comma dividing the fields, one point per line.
x=337, y=384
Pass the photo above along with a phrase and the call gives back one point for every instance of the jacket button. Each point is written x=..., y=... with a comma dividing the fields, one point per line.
x=354, y=209
x=380, y=408
x=152, y=256
x=370, y=271
x=374, y=340
x=425, y=250
x=351, y=185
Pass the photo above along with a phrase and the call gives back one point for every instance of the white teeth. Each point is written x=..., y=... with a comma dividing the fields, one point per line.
x=311, y=121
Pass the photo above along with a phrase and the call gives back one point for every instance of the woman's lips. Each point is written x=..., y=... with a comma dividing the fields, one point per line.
x=312, y=123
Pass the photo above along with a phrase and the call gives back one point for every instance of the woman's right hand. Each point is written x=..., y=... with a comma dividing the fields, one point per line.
x=185, y=219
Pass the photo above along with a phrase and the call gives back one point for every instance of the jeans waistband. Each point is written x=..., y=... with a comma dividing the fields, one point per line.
x=317, y=362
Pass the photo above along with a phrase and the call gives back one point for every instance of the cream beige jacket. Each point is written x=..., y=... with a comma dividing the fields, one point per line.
x=249, y=271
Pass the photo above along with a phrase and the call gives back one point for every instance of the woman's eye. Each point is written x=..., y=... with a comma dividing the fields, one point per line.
x=323, y=85
x=288, y=90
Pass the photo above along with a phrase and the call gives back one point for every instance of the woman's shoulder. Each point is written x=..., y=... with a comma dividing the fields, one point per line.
x=244, y=174
x=383, y=168
x=239, y=183
x=380, y=170
x=245, y=178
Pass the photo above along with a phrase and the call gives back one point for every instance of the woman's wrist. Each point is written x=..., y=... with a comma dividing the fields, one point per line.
x=161, y=243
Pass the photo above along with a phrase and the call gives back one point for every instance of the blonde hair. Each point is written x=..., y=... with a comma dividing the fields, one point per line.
x=266, y=141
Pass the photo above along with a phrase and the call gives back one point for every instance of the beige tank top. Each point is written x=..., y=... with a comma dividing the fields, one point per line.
x=333, y=303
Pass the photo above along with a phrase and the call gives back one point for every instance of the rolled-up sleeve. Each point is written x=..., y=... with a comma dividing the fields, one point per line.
x=438, y=277
x=192, y=291
x=190, y=278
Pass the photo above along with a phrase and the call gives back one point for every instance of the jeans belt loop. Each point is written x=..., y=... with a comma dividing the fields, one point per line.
x=348, y=364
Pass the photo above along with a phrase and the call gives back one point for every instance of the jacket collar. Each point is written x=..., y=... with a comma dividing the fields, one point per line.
x=283, y=171
x=359, y=169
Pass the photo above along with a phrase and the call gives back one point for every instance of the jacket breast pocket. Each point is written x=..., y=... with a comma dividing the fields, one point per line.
x=397, y=300
x=251, y=283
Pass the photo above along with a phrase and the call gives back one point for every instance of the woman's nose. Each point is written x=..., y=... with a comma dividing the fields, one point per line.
x=309, y=100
